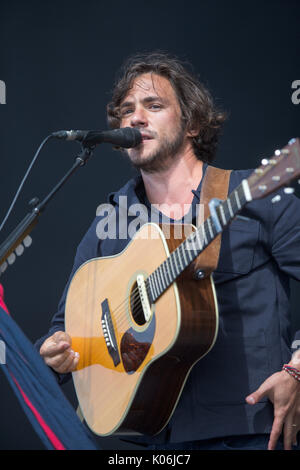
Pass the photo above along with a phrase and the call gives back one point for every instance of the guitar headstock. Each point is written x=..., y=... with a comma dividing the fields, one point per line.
x=276, y=172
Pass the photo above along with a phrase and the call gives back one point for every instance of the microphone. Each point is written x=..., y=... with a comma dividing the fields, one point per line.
x=126, y=137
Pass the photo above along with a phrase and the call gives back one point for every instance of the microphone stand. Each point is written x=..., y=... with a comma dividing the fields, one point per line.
x=17, y=236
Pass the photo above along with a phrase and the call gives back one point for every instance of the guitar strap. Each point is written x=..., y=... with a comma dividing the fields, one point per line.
x=215, y=185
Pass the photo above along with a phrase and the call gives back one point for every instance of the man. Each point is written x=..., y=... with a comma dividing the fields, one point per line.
x=237, y=396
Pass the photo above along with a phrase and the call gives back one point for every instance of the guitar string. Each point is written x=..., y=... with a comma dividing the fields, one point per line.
x=107, y=388
x=186, y=241
x=118, y=312
x=135, y=292
x=135, y=297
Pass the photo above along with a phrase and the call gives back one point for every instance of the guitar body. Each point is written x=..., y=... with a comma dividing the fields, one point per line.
x=129, y=379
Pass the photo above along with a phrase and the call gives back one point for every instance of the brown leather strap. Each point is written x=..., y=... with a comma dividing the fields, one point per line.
x=215, y=185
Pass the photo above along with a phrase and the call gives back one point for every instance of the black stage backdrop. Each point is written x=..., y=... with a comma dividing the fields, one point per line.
x=59, y=60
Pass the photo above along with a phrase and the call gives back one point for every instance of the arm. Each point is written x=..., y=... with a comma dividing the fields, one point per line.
x=55, y=346
x=282, y=389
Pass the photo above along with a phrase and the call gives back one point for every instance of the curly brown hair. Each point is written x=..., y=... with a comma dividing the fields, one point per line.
x=197, y=107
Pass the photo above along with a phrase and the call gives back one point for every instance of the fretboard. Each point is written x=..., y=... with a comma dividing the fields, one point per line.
x=187, y=251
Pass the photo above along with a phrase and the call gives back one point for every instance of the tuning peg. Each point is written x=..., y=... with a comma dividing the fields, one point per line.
x=277, y=152
x=289, y=190
x=11, y=259
x=265, y=161
x=19, y=250
x=3, y=267
x=27, y=241
x=276, y=199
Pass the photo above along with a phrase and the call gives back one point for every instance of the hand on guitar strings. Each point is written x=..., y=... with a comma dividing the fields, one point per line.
x=58, y=354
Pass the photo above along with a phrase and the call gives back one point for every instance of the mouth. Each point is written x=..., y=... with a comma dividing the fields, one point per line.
x=146, y=137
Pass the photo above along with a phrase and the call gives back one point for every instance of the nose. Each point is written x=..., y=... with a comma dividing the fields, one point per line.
x=139, y=118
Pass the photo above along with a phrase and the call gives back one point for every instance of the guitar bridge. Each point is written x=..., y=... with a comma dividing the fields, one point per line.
x=109, y=333
x=143, y=297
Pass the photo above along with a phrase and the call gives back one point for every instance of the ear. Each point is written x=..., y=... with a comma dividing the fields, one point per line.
x=192, y=132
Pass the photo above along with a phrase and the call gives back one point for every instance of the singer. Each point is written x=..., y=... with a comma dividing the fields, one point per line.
x=245, y=392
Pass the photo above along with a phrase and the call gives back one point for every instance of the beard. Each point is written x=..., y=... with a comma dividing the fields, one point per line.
x=160, y=158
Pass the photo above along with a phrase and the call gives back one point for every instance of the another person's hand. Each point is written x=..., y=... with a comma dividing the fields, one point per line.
x=58, y=354
x=283, y=391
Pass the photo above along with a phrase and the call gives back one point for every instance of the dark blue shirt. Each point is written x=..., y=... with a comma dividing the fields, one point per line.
x=259, y=253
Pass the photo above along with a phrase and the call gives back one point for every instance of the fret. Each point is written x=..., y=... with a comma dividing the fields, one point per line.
x=152, y=283
x=175, y=254
x=168, y=271
x=174, y=264
x=149, y=290
x=156, y=283
x=234, y=204
x=210, y=228
x=172, y=267
x=196, y=242
x=237, y=199
x=184, y=255
x=199, y=240
x=161, y=277
x=149, y=283
x=164, y=275
x=179, y=259
x=214, y=230
x=204, y=234
x=230, y=207
x=188, y=251
x=242, y=195
x=223, y=214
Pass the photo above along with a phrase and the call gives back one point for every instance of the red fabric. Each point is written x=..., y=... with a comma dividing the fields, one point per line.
x=2, y=304
x=49, y=433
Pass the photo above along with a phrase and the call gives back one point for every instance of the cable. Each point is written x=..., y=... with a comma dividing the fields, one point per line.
x=23, y=181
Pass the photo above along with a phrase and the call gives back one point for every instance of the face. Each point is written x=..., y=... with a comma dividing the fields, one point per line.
x=152, y=107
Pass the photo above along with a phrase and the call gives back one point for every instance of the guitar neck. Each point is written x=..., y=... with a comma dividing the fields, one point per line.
x=196, y=243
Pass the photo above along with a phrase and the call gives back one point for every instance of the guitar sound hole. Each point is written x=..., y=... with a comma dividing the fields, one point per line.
x=136, y=306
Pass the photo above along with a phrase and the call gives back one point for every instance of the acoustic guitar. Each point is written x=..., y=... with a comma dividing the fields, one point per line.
x=140, y=320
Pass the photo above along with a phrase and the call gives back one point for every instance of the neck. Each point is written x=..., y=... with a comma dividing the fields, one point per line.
x=174, y=185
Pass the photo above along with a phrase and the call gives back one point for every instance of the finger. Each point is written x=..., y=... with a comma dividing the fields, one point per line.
x=61, y=336
x=275, y=432
x=295, y=430
x=69, y=364
x=52, y=348
x=295, y=438
x=256, y=396
x=57, y=360
x=288, y=435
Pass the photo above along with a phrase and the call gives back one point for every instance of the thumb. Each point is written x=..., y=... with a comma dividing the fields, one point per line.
x=256, y=396
x=61, y=336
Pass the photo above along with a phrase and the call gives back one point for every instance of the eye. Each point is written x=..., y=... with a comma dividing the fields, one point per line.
x=155, y=106
x=126, y=111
